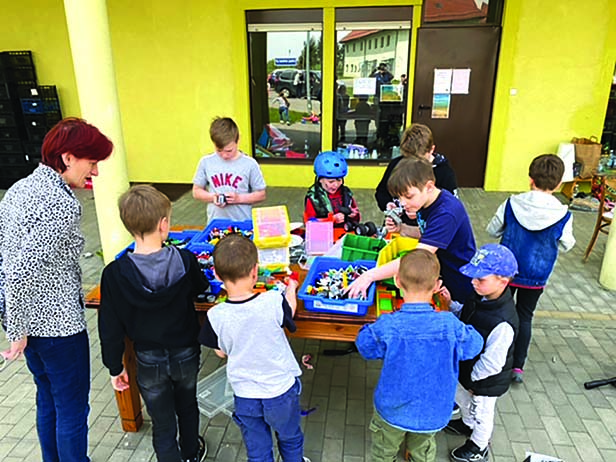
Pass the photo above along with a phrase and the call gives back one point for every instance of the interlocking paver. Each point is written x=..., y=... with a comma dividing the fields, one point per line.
x=551, y=413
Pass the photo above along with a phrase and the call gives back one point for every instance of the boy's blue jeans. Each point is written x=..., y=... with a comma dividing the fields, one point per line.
x=258, y=417
x=61, y=370
x=167, y=380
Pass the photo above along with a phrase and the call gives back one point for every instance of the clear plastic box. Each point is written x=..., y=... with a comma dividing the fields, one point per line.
x=319, y=237
x=274, y=260
x=214, y=395
x=271, y=227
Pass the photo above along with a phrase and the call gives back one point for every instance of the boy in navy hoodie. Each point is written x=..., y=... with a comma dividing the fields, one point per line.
x=420, y=349
x=147, y=296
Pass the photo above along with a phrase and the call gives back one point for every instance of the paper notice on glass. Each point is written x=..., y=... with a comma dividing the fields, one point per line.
x=460, y=81
x=440, y=106
x=442, y=80
x=364, y=86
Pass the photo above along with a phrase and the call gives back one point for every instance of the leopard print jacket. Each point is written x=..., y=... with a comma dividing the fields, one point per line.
x=40, y=245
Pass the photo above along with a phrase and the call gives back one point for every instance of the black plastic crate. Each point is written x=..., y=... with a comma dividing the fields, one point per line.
x=17, y=74
x=23, y=89
x=11, y=147
x=11, y=160
x=33, y=152
x=4, y=91
x=7, y=120
x=9, y=133
x=48, y=91
x=36, y=127
x=51, y=105
x=20, y=58
x=32, y=105
x=52, y=118
x=6, y=107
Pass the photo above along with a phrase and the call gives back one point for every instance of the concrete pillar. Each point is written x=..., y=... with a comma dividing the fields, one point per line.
x=607, y=278
x=88, y=30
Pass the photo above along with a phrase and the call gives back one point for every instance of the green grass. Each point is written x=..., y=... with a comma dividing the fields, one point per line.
x=294, y=116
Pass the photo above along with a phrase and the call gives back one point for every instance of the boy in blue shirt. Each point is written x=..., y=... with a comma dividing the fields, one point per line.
x=444, y=228
x=420, y=349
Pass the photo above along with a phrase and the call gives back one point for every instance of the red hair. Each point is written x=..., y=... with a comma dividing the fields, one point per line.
x=75, y=136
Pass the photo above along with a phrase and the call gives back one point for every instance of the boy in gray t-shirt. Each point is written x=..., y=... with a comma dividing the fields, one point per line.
x=228, y=180
x=262, y=370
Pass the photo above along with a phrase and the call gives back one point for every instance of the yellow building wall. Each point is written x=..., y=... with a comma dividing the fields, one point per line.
x=555, y=69
x=178, y=65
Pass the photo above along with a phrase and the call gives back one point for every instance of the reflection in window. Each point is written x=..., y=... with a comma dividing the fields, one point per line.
x=463, y=11
x=371, y=87
x=285, y=94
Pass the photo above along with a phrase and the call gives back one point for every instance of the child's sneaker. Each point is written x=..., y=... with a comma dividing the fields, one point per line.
x=281, y=121
x=455, y=414
x=306, y=459
x=517, y=375
x=200, y=457
x=458, y=427
x=469, y=452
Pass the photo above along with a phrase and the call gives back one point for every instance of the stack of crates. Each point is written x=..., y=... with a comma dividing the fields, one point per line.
x=27, y=112
x=272, y=236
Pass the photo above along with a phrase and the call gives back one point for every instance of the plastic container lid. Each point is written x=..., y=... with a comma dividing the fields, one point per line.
x=214, y=395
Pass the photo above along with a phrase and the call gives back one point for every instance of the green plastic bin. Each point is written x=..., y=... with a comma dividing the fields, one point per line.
x=361, y=247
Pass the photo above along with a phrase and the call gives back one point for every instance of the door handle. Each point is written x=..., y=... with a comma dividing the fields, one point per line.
x=423, y=107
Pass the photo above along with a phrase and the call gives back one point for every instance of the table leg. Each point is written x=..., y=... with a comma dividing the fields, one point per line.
x=129, y=401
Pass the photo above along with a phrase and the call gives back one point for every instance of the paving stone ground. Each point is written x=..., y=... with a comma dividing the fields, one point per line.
x=574, y=341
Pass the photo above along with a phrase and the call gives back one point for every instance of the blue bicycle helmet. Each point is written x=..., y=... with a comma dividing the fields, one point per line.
x=330, y=164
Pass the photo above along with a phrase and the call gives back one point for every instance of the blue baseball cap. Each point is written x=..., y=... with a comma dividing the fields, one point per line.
x=491, y=259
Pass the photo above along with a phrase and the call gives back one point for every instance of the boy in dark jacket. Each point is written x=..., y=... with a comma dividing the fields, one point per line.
x=147, y=296
x=487, y=376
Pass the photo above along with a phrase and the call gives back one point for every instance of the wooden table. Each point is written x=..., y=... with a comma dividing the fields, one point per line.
x=321, y=326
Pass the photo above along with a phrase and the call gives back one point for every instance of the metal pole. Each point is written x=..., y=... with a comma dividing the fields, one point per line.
x=308, y=101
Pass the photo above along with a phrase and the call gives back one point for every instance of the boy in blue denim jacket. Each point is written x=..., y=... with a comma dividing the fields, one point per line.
x=420, y=349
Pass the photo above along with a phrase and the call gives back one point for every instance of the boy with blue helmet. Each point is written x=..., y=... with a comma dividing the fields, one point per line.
x=328, y=196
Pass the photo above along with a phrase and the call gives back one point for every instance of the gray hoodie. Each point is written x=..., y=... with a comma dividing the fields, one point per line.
x=535, y=210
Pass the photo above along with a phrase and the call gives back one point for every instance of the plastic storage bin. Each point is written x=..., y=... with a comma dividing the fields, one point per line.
x=202, y=239
x=397, y=248
x=319, y=237
x=214, y=395
x=361, y=247
x=186, y=235
x=274, y=260
x=271, y=226
x=349, y=306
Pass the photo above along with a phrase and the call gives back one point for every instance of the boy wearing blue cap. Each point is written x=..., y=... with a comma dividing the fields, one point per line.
x=487, y=376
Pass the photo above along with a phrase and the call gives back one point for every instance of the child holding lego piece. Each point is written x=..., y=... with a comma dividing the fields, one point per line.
x=535, y=226
x=147, y=296
x=420, y=349
x=228, y=180
x=486, y=376
x=328, y=195
x=262, y=370
x=444, y=227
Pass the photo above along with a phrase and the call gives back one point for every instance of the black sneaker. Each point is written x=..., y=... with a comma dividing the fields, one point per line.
x=200, y=457
x=469, y=452
x=458, y=427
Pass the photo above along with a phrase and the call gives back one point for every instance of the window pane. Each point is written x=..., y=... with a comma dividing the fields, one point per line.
x=463, y=11
x=285, y=94
x=371, y=89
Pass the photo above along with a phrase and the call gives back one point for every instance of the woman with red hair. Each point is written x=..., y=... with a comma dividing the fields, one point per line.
x=41, y=300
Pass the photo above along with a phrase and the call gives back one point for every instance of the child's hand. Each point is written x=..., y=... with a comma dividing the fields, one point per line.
x=391, y=226
x=339, y=218
x=232, y=198
x=390, y=206
x=354, y=213
x=120, y=382
x=360, y=285
x=444, y=294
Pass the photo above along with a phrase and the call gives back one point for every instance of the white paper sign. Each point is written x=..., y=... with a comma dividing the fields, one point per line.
x=364, y=86
x=442, y=81
x=534, y=457
x=460, y=81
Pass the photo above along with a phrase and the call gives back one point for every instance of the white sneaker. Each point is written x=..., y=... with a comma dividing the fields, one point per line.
x=306, y=459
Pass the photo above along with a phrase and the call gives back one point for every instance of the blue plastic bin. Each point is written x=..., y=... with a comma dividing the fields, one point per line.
x=349, y=306
x=187, y=235
x=202, y=241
